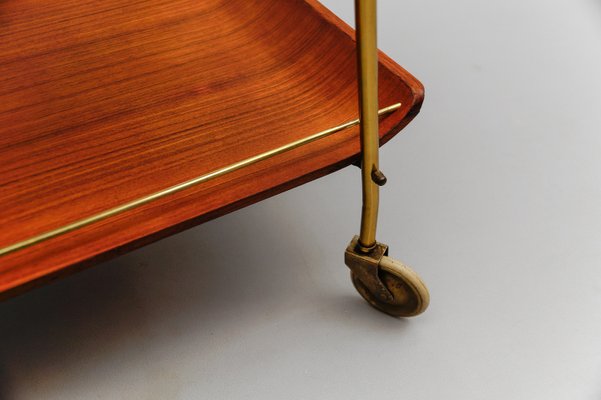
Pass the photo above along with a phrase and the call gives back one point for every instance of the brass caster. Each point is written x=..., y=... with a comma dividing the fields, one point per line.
x=410, y=295
x=386, y=284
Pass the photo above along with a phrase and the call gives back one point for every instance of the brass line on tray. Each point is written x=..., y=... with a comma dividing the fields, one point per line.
x=185, y=185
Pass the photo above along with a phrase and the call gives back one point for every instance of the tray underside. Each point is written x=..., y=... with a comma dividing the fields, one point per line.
x=105, y=102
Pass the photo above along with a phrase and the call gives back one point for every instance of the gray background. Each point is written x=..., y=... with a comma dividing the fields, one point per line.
x=494, y=198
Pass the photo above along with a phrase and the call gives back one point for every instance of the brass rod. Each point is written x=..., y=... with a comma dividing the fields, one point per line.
x=185, y=185
x=367, y=63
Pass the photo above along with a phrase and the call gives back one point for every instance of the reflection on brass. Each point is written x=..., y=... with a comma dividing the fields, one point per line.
x=185, y=185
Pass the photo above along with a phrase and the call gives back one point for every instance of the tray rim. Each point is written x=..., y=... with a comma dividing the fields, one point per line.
x=17, y=286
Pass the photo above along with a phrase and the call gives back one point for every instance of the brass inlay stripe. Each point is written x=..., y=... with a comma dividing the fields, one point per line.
x=182, y=186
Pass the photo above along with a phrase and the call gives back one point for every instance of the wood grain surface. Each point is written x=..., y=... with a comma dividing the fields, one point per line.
x=105, y=102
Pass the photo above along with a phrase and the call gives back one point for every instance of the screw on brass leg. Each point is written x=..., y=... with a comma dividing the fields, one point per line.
x=385, y=283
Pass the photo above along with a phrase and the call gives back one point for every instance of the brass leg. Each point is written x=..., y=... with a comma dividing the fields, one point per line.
x=367, y=55
x=386, y=284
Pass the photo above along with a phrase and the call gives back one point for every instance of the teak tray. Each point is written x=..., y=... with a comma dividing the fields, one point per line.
x=105, y=102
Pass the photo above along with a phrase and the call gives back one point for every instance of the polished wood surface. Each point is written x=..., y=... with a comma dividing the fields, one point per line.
x=105, y=102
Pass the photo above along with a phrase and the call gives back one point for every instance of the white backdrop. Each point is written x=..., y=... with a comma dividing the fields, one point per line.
x=494, y=198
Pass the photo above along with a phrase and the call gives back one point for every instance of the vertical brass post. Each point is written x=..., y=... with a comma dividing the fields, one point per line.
x=367, y=62
x=385, y=283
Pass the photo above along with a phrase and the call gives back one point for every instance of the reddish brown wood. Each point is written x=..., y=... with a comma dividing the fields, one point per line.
x=102, y=102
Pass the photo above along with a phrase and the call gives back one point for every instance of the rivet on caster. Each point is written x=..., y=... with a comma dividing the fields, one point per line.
x=385, y=283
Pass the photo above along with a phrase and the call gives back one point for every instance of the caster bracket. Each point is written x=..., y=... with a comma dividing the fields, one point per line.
x=366, y=266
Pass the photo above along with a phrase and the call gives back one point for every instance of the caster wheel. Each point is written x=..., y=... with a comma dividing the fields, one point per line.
x=411, y=296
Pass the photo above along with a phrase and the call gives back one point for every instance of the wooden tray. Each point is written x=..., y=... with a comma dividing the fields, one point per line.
x=103, y=102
